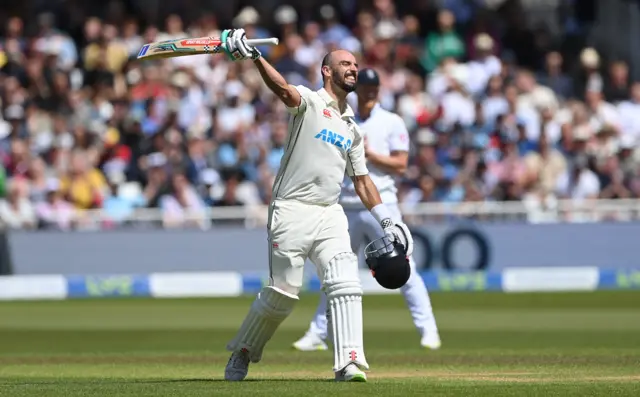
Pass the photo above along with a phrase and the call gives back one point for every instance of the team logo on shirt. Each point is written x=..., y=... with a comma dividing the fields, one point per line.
x=335, y=139
x=326, y=113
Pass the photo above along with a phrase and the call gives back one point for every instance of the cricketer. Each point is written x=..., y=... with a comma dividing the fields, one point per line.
x=387, y=154
x=305, y=217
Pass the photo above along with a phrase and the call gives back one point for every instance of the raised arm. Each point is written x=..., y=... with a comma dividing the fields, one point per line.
x=237, y=48
x=287, y=93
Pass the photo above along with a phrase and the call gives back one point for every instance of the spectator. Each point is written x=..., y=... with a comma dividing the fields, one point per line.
x=629, y=112
x=183, y=207
x=334, y=31
x=16, y=210
x=502, y=115
x=554, y=77
x=616, y=87
x=483, y=66
x=444, y=43
x=544, y=167
x=85, y=186
x=55, y=213
x=578, y=182
x=588, y=77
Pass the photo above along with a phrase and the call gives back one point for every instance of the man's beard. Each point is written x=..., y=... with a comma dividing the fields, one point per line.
x=342, y=83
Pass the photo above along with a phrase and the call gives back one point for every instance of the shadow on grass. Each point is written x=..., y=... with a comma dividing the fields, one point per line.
x=158, y=381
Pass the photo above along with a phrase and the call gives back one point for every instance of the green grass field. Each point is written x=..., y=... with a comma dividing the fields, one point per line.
x=570, y=344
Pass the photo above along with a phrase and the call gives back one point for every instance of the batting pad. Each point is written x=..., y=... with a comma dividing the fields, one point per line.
x=270, y=308
x=341, y=283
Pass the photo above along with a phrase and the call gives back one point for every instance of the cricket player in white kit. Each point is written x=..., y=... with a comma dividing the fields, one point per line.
x=305, y=217
x=387, y=151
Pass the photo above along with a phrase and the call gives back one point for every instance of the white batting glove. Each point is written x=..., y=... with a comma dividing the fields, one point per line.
x=398, y=232
x=236, y=46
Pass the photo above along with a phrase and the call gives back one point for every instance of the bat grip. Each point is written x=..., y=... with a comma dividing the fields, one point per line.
x=260, y=42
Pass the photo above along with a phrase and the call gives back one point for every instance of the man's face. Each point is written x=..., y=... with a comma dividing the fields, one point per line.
x=367, y=92
x=344, y=71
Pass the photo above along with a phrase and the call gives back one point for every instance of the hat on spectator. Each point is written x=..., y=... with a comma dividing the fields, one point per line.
x=368, y=76
x=233, y=89
x=64, y=141
x=14, y=112
x=483, y=42
x=460, y=74
x=157, y=159
x=196, y=131
x=581, y=133
x=425, y=136
x=114, y=166
x=116, y=177
x=180, y=79
x=209, y=176
x=52, y=185
x=247, y=16
x=627, y=142
x=285, y=15
x=386, y=30
x=5, y=129
x=590, y=58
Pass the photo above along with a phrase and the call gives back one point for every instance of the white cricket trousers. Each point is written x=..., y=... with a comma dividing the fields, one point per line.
x=298, y=231
x=363, y=228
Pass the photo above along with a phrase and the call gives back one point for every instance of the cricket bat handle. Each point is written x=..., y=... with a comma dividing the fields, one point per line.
x=261, y=42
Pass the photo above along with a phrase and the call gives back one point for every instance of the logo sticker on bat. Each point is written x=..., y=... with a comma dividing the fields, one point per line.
x=143, y=50
x=171, y=47
x=201, y=42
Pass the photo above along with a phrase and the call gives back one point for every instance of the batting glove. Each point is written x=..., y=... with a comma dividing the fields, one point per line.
x=399, y=233
x=236, y=46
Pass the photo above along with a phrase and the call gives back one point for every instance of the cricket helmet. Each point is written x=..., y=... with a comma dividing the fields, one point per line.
x=388, y=262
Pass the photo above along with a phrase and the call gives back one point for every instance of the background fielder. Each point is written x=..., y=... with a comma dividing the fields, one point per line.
x=305, y=218
x=386, y=148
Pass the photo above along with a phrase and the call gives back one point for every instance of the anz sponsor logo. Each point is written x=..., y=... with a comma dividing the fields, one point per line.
x=335, y=139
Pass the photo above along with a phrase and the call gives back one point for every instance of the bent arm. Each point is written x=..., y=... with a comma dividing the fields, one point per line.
x=287, y=93
x=398, y=159
x=395, y=163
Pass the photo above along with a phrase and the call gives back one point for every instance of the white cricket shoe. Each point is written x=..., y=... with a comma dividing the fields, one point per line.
x=431, y=340
x=238, y=366
x=351, y=373
x=310, y=342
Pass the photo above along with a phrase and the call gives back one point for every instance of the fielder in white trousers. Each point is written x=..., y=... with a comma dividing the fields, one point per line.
x=362, y=228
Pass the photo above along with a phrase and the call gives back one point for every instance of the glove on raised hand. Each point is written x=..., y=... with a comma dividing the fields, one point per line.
x=236, y=46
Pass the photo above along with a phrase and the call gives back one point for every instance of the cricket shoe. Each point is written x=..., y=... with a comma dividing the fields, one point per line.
x=351, y=373
x=310, y=342
x=431, y=340
x=238, y=366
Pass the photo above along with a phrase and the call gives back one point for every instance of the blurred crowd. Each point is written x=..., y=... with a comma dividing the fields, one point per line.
x=498, y=110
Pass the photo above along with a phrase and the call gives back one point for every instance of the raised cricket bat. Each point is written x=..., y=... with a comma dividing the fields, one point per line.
x=193, y=46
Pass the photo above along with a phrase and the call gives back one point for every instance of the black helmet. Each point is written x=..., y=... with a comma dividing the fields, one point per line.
x=388, y=262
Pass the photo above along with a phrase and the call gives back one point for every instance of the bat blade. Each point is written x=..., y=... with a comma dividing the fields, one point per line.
x=190, y=46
